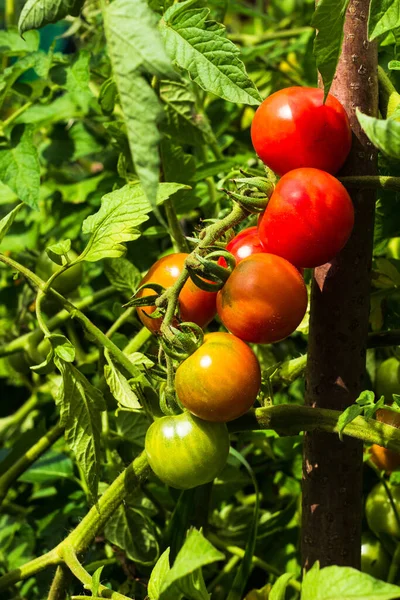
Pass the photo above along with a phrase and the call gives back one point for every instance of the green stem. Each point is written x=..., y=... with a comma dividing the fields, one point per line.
x=71, y=560
x=96, y=564
x=58, y=590
x=230, y=565
x=30, y=569
x=252, y=40
x=10, y=13
x=394, y=565
x=177, y=235
x=120, y=321
x=16, y=114
x=138, y=341
x=12, y=421
x=389, y=98
x=80, y=354
x=34, y=337
x=372, y=182
x=257, y=562
x=23, y=463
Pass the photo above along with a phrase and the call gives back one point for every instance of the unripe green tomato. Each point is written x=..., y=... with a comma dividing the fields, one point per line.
x=379, y=512
x=185, y=451
x=394, y=248
x=20, y=362
x=67, y=282
x=374, y=559
x=387, y=380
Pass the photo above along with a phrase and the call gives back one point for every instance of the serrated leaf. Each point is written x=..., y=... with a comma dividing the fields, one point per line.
x=121, y=212
x=119, y=386
x=329, y=19
x=158, y=575
x=56, y=251
x=19, y=166
x=278, y=591
x=34, y=60
x=122, y=274
x=135, y=533
x=384, y=15
x=201, y=48
x=12, y=44
x=332, y=583
x=383, y=133
x=81, y=405
x=182, y=122
x=77, y=80
x=8, y=220
x=135, y=46
x=347, y=416
x=49, y=467
x=37, y=13
x=62, y=347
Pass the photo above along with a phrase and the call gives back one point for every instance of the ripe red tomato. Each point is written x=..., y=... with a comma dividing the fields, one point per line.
x=264, y=299
x=244, y=244
x=221, y=380
x=195, y=305
x=292, y=128
x=308, y=219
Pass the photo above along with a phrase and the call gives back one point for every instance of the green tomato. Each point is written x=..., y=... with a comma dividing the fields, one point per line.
x=185, y=451
x=388, y=379
x=394, y=248
x=20, y=362
x=65, y=283
x=374, y=559
x=379, y=512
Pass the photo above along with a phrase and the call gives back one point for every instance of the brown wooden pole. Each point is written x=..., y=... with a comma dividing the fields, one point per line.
x=332, y=470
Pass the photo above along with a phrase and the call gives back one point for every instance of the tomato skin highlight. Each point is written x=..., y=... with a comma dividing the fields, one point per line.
x=264, y=299
x=195, y=305
x=220, y=380
x=185, y=451
x=308, y=219
x=374, y=559
x=379, y=513
x=292, y=128
x=244, y=244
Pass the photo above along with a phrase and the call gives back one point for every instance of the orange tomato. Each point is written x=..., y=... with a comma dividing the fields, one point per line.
x=385, y=459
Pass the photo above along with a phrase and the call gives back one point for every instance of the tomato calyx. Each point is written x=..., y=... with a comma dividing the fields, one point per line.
x=206, y=273
x=181, y=341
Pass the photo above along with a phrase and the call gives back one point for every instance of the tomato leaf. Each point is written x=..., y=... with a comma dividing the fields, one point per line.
x=135, y=533
x=8, y=220
x=278, y=591
x=200, y=47
x=383, y=133
x=329, y=19
x=135, y=46
x=384, y=15
x=119, y=386
x=81, y=405
x=12, y=44
x=158, y=576
x=37, y=13
x=122, y=274
x=345, y=583
x=96, y=580
x=19, y=166
x=121, y=212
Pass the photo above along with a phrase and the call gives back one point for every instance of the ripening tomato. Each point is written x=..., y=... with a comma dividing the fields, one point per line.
x=185, y=451
x=374, y=559
x=220, y=380
x=264, y=299
x=195, y=305
x=308, y=219
x=244, y=244
x=380, y=515
x=293, y=128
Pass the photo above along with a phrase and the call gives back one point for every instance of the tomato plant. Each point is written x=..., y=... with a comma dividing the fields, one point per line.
x=221, y=380
x=374, y=559
x=295, y=128
x=379, y=512
x=264, y=299
x=185, y=451
x=195, y=305
x=309, y=218
x=68, y=281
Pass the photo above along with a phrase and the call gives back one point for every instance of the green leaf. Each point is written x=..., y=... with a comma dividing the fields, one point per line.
x=37, y=13
x=135, y=46
x=121, y=212
x=49, y=467
x=107, y=96
x=135, y=533
x=56, y=251
x=62, y=347
x=12, y=44
x=158, y=575
x=278, y=591
x=77, y=80
x=62, y=108
x=347, y=416
x=19, y=166
x=81, y=405
x=182, y=122
x=122, y=274
x=383, y=133
x=394, y=65
x=119, y=386
x=194, y=554
x=96, y=580
x=177, y=166
x=384, y=15
x=201, y=47
x=332, y=583
x=8, y=220
x=329, y=19
x=35, y=60
x=132, y=427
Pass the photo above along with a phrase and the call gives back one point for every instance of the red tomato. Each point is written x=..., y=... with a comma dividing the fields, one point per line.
x=221, y=380
x=195, y=305
x=244, y=244
x=264, y=299
x=308, y=219
x=385, y=459
x=293, y=128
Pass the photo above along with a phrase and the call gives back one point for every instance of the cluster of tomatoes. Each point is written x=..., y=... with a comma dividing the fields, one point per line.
x=308, y=220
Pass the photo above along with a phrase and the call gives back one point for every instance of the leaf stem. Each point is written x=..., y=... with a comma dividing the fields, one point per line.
x=58, y=590
x=389, y=98
x=137, y=342
x=178, y=238
x=372, y=182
